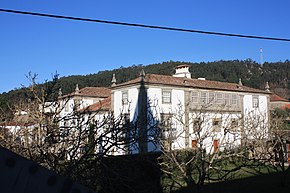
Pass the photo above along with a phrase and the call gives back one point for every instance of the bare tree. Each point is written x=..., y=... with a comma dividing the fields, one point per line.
x=67, y=143
x=222, y=144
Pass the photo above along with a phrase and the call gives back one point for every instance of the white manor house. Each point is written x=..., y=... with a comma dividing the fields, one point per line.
x=183, y=111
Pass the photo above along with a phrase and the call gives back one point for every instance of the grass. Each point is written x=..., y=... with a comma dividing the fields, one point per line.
x=254, y=179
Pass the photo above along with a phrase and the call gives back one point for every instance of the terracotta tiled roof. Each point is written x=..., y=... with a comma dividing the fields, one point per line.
x=99, y=92
x=287, y=106
x=276, y=98
x=193, y=83
x=103, y=105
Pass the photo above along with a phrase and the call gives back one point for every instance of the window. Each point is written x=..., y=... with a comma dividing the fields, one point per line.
x=125, y=97
x=166, y=126
x=166, y=120
x=66, y=107
x=194, y=143
x=215, y=145
x=234, y=99
x=219, y=98
x=196, y=125
x=227, y=99
x=203, y=98
x=234, y=123
x=216, y=125
x=166, y=96
x=211, y=97
x=77, y=103
x=194, y=96
x=255, y=101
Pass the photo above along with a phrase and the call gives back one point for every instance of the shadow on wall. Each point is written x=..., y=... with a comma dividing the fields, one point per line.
x=18, y=175
x=145, y=121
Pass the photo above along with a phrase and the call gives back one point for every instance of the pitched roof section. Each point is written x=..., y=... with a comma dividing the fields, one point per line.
x=102, y=105
x=285, y=107
x=98, y=92
x=193, y=83
x=276, y=98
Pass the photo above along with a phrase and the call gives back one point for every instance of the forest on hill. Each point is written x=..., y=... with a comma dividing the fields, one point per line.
x=251, y=73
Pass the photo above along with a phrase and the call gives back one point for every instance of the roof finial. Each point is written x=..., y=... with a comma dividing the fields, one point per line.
x=142, y=74
x=240, y=82
x=114, y=81
x=59, y=92
x=267, y=87
x=77, y=90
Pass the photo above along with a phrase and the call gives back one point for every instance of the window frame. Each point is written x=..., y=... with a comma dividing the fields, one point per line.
x=194, y=99
x=227, y=99
x=234, y=99
x=211, y=97
x=125, y=100
x=204, y=97
x=219, y=98
x=215, y=145
x=196, y=125
x=217, y=127
x=255, y=101
x=168, y=131
x=234, y=124
x=194, y=144
x=166, y=97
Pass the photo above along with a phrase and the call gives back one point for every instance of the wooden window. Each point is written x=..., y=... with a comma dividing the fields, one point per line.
x=194, y=97
x=193, y=143
x=234, y=99
x=227, y=99
x=203, y=98
x=211, y=96
x=216, y=125
x=196, y=125
x=166, y=126
x=125, y=97
x=255, y=101
x=219, y=98
x=166, y=96
x=234, y=124
x=215, y=145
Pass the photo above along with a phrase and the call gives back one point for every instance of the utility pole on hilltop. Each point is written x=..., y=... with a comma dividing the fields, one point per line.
x=261, y=57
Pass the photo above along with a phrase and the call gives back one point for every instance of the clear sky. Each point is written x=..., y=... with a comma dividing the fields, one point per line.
x=46, y=45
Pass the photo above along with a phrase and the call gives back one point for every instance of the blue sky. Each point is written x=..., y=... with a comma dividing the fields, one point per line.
x=46, y=45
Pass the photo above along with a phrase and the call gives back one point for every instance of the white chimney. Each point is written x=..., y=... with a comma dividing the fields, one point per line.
x=182, y=71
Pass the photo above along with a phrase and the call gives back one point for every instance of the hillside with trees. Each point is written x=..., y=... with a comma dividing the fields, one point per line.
x=251, y=73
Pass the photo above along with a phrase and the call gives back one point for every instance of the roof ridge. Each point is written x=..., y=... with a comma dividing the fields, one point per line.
x=192, y=82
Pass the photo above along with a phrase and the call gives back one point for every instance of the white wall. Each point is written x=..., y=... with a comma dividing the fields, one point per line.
x=177, y=107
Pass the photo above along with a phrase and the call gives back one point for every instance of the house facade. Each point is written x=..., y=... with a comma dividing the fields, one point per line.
x=191, y=112
x=174, y=112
